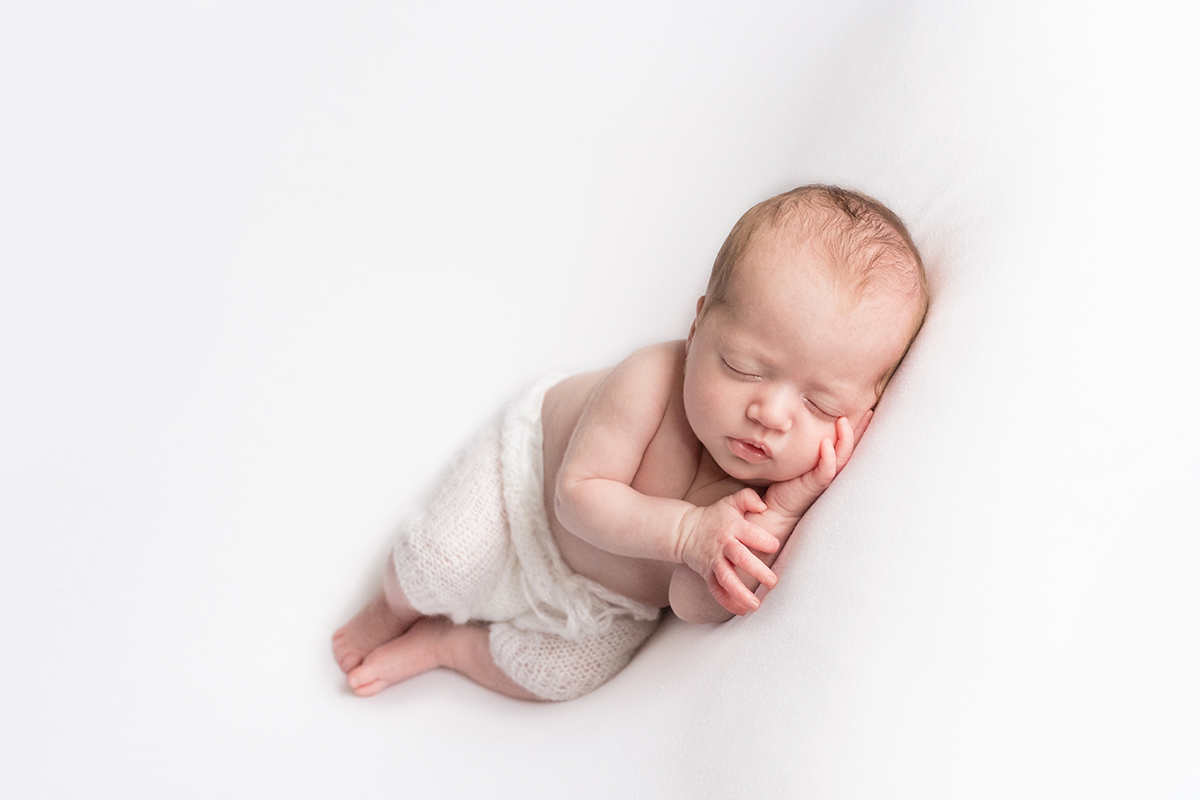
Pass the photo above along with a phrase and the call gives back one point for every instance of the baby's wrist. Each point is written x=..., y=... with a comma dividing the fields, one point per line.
x=777, y=520
x=684, y=531
x=779, y=511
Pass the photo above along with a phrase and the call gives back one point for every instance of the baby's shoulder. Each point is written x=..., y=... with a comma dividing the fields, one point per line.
x=637, y=392
x=645, y=382
x=660, y=363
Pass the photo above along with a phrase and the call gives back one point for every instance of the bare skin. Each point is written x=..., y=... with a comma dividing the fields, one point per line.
x=389, y=641
x=675, y=477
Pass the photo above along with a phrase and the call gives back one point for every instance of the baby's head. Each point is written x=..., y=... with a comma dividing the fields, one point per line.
x=813, y=300
x=862, y=247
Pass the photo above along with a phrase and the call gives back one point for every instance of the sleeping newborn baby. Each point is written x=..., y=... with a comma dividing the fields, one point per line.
x=549, y=547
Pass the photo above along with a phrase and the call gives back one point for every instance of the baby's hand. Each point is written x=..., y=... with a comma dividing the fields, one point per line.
x=792, y=498
x=716, y=539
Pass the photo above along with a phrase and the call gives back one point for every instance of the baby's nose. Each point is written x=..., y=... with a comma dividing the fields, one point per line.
x=771, y=412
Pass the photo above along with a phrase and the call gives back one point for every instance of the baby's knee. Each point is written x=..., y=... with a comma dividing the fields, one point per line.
x=553, y=667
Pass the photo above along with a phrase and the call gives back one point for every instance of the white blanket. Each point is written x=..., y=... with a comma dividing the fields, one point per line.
x=265, y=264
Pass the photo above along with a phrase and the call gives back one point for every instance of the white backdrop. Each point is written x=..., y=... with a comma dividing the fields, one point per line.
x=264, y=265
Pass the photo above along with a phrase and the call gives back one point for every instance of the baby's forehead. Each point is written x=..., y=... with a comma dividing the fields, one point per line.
x=778, y=265
x=808, y=297
x=815, y=254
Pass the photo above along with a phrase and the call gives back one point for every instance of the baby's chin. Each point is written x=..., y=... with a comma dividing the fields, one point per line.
x=760, y=484
x=757, y=478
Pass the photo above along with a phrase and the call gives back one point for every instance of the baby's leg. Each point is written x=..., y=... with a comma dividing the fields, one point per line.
x=434, y=642
x=466, y=649
x=386, y=616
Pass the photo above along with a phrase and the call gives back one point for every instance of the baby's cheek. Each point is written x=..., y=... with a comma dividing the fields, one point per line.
x=814, y=459
x=806, y=458
x=704, y=412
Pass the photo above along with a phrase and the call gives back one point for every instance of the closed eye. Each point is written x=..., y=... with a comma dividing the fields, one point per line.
x=820, y=411
x=737, y=371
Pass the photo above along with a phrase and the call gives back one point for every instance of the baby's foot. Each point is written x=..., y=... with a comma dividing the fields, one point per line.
x=398, y=660
x=370, y=628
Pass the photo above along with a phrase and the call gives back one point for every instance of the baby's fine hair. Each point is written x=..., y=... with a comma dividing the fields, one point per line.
x=867, y=244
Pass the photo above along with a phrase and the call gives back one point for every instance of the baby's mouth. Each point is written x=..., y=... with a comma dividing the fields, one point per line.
x=750, y=451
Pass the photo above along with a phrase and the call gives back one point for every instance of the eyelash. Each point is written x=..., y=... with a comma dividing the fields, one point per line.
x=737, y=371
x=822, y=412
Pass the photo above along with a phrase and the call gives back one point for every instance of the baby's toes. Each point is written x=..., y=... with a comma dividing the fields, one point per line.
x=364, y=681
x=345, y=654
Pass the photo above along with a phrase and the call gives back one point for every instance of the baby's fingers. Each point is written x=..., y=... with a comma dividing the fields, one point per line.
x=845, y=442
x=747, y=501
x=728, y=590
x=721, y=596
x=828, y=464
x=754, y=537
x=740, y=557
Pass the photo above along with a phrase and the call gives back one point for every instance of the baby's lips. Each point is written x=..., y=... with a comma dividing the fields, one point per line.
x=750, y=451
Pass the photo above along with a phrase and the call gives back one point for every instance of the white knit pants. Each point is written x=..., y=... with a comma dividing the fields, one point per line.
x=481, y=549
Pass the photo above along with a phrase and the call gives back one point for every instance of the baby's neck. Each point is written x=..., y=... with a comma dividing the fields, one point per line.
x=711, y=482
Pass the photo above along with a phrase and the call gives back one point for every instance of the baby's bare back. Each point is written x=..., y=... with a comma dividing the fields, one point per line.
x=674, y=465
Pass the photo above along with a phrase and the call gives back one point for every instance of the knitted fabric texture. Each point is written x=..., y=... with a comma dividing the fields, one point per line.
x=481, y=549
x=556, y=668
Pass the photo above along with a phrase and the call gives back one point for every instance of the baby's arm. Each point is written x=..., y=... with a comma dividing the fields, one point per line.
x=595, y=500
x=785, y=504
